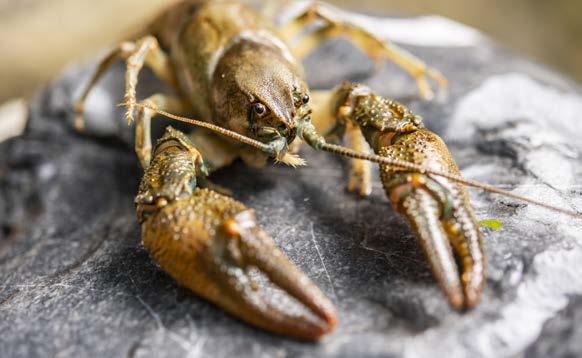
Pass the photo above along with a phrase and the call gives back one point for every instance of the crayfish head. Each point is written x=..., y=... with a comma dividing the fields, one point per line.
x=259, y=93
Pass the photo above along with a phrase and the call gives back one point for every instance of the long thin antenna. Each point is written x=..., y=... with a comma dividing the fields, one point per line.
x=213, y=127
x=347, y=152
x=336, y=149
x=288, y=158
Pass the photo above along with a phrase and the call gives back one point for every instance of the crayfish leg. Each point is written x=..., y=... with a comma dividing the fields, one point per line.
x=145, y=51
x=333, y=25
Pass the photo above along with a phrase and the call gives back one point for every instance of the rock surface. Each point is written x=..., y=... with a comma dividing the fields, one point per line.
x=75, y=281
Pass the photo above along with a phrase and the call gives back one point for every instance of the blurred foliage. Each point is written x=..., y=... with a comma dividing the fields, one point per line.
x=38, y=37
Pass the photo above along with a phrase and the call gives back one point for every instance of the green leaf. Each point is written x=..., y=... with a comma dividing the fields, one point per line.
x=494, y=224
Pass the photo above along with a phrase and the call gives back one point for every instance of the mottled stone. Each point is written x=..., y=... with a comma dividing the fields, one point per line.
x=75, y=280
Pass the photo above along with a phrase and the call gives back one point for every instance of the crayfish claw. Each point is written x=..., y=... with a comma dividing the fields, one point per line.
x=312, y=315
x=436, y=206
x=464, y=234
x=422, y=212
x=212, y=244
x=451, y=245
x=440, y=214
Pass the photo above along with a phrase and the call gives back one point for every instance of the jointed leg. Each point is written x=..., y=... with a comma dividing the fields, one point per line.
x=147, y=51
x=373, y=46
x=122, y=51
x=327, y=121
x=144, y=51
x=361, y=170
x=143, y=142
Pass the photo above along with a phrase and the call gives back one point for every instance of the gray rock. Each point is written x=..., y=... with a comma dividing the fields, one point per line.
x=75, y=280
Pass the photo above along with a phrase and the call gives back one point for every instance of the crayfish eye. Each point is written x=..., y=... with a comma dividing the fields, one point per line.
x=259, y=108
x=305, y=99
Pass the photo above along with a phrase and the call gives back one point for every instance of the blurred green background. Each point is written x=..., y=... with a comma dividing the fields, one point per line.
x=39, y=37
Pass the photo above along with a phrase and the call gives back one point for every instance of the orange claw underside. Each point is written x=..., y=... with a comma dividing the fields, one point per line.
x=211, y=244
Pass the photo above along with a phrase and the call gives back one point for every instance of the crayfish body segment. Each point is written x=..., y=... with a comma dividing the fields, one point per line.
x=208, y=241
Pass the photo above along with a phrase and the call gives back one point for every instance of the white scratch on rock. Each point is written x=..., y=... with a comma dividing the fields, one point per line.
x=188, y=347
x=181, y=341
x=152, y=313
x=322, y=262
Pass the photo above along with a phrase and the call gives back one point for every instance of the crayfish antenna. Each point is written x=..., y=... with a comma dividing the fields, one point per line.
x=350, y=153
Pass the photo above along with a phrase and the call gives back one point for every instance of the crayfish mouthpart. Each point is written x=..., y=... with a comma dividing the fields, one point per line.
x=292, y=160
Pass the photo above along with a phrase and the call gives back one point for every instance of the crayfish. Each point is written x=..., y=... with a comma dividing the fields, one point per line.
x=241, y=76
